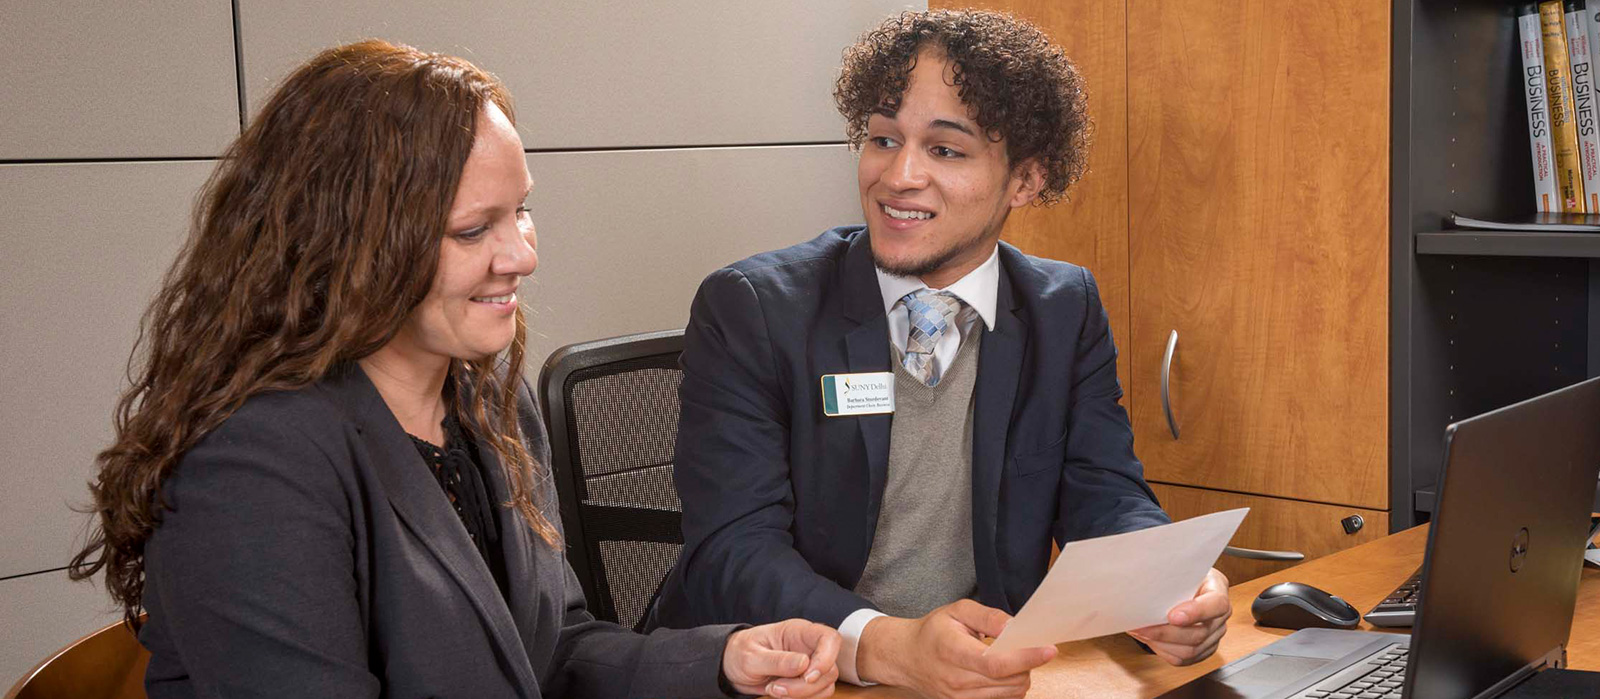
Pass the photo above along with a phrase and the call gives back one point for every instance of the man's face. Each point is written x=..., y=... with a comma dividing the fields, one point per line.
x=935, y=190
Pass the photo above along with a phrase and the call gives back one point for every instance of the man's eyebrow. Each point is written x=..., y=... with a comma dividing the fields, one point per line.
x=886, y=112
x=947, y=124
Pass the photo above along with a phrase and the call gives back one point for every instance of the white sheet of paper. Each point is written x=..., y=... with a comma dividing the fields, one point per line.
x=1120, y=582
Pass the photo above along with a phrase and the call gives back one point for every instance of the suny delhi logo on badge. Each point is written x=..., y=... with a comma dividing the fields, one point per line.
x=859, y=384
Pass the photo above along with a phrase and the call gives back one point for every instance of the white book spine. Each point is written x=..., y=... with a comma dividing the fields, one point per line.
x=1580, y=51
x=1544, y=173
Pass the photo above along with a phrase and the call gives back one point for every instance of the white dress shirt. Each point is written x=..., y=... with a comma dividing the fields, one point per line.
x=978, y=290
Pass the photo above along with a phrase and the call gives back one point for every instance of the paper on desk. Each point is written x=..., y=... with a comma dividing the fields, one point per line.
x=1120, y=582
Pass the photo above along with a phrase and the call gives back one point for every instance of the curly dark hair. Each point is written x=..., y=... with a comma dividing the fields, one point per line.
x=1020, y=85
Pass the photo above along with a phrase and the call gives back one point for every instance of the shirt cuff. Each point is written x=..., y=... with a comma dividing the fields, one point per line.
x=851, y=630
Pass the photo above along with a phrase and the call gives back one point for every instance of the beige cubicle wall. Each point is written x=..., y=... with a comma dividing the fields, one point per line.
x=95, y=79
x=605, y=73
x=648, y=225
x=82, y=248
x=662, y=137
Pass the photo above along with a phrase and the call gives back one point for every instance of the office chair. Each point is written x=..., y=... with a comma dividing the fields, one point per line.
x=612, y=411
x=106, y=664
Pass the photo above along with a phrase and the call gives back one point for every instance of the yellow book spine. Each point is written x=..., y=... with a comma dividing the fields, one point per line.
x=1563, y=129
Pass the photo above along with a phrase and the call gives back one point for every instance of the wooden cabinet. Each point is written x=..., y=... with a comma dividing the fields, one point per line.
x=1238, y=195
x=1258, y=164
x=1313, y=528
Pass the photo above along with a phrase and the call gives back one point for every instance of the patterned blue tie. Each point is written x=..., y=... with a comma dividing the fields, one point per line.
x=930, y=313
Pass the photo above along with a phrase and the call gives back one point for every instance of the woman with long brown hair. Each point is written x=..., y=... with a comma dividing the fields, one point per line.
x=328, y=476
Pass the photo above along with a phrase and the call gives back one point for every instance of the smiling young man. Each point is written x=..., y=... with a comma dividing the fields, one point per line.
x=884, y=428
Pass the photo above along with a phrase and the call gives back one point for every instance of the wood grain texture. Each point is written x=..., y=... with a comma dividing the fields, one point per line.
x=1112, y=666
x=1274, y=524
x=1091, y=227
x=1258, y=182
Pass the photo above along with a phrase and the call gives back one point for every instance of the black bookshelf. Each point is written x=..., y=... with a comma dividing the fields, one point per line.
x=1478, y=319
x=1508, y=243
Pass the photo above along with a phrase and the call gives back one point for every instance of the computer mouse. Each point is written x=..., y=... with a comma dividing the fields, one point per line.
x=1293, y=605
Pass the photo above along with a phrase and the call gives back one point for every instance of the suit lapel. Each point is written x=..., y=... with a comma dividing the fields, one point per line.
x=867, y=348
x=517, y=547
x=999, y=372
x=419, y=502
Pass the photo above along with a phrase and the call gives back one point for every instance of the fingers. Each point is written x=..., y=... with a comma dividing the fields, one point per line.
x=794, y=659
x=1179, y=654
x=764, y=662
x=1189, y=634
x=1016, y=662
x=1210, y=602
x=1215, y=582
x=1180, y=635
x=1183, y=645
x=968, y=653
x=980, y=619
x=822, y=642
x=813, y=685
x=825, y=654
x=1204, y=608
x=790, y=659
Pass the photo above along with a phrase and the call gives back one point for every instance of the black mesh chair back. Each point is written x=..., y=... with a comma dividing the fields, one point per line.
x=612, y=410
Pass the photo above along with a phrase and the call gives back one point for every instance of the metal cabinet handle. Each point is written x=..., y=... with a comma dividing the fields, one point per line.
x=1260, y=555
x=1166, y=379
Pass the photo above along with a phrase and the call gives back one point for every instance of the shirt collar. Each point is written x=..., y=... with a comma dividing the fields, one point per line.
x=978, y=289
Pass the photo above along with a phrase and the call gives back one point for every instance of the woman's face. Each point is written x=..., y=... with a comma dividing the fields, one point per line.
x=488, y=247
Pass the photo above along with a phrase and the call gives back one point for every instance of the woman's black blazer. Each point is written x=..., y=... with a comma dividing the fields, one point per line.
x=309, y=552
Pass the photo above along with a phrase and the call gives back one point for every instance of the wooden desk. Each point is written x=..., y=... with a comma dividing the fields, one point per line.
x=1113, y=666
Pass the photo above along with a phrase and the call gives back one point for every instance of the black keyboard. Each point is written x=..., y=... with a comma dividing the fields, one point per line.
x=1378, y=676
x=1400, y=607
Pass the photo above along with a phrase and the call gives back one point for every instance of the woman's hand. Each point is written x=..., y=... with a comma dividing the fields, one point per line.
x=793, y=658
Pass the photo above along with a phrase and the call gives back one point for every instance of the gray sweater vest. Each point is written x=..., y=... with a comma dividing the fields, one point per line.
x=921, y=555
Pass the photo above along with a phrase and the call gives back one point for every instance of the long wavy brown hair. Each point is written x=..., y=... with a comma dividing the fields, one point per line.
x=311, y=244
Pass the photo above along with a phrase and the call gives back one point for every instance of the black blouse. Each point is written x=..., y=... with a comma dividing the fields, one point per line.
x=459, y=470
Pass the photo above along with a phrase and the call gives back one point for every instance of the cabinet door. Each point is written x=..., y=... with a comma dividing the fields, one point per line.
x=1275, y=524
x=1090, y=228
x=1258, y=176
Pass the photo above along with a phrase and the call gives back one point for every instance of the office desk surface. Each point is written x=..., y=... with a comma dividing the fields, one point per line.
x=1113, y=666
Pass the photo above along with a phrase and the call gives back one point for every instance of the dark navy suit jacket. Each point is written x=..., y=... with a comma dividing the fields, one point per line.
x=780, y=502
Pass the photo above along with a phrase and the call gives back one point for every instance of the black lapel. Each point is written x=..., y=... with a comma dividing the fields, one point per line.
x=421, y=504
x=868, y=349
x=1000, y=361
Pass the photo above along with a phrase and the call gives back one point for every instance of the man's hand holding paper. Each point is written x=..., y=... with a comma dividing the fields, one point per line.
x=1143, y=582
x=1193, y=628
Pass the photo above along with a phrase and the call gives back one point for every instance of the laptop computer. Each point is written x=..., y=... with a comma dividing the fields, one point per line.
x=1499, y=579
x=1400, y=606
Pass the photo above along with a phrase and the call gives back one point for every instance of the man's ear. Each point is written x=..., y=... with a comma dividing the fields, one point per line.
x=1028, y=179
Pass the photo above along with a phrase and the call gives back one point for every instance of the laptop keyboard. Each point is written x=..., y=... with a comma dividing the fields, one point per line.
x=1378, y=676
x=1400, y=607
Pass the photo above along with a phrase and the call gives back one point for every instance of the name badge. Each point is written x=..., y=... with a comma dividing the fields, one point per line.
x=858, y=394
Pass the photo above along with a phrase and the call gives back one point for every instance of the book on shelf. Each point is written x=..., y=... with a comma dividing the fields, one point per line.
x=1546, y=198
x=1580, y=56
x=1540, y=222
x=1558, y=90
